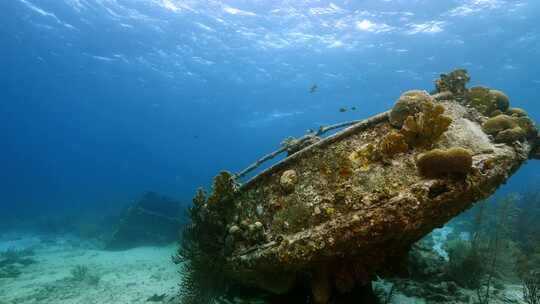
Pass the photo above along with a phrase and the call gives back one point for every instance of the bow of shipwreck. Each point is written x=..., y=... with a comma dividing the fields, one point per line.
x=340, y=210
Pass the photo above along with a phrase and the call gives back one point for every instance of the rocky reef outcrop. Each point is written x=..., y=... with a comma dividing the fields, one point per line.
x=152, y=220
x=347, y=208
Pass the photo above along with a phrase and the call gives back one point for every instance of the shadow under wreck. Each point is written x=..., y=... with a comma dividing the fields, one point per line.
x=339, y=211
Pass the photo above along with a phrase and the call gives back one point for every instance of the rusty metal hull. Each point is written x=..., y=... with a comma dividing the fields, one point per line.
x=353, y=219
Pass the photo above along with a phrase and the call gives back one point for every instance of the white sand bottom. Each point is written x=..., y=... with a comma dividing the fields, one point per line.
x=130, y=276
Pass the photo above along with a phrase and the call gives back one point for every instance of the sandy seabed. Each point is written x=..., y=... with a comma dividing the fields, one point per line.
x=130, y=276
x=139, y=275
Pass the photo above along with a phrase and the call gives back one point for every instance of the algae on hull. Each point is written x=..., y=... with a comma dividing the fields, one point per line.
x=340, y=211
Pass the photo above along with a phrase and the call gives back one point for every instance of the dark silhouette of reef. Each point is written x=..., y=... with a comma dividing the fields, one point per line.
x=153, y=220
x=336, y=214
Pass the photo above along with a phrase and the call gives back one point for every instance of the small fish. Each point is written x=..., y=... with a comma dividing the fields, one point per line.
x=343, y=110
x=353, y=108
x=313, y=88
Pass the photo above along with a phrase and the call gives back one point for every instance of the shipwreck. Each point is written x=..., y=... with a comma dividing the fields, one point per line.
x=340, y=210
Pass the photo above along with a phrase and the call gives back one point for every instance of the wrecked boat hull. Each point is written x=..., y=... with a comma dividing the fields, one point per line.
x=361, y=220
x=339, y=211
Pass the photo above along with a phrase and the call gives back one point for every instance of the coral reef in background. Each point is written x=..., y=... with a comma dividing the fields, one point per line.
x=152, y=220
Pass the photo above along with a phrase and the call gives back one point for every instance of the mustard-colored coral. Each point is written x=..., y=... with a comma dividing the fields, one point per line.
x=454, y=82
x=501, y=100
x=439, y=163
x=408, y=104
x=425, y=128
x=518, y=112
x=288, y=180
x=486, y=101
x=510, y=135
x=392, y=144
x=363, y=157
x=508, y=129
x=528, y=125
x=498, y=123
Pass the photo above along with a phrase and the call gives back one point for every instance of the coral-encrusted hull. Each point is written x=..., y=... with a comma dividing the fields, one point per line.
x=350, y=214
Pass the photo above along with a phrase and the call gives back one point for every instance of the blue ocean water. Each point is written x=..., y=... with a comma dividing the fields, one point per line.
x=103, y=99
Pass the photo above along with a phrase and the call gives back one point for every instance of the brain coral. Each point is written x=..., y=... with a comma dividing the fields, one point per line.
x=486, y=101
x=498, y=123
x=439, y=163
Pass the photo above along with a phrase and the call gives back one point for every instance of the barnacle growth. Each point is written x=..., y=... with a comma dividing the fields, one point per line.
x=439, y=162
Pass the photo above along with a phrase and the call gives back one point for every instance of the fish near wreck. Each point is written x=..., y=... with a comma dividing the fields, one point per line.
x=347, y=208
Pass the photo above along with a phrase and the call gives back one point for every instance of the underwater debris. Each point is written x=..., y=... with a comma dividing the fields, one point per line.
x=438, y=162
x=152, y=220
x=293, y=145
x=363, y=198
